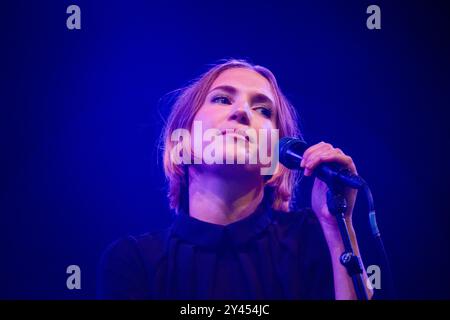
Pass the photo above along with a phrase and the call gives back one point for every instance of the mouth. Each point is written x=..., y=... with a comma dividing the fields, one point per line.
x=240, y=134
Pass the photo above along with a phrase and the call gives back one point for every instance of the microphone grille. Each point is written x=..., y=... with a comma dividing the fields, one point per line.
x=291, y=151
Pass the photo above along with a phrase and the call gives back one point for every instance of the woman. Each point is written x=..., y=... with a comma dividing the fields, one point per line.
x=233, y=236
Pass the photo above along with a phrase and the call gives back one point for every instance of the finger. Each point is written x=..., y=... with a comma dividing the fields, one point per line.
x=332, y=156
x=313, y=149
x=314, y=160
x=324, y=149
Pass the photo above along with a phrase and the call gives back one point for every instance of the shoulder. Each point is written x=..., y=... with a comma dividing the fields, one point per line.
x=299, y=220
x=302, y=215
x=135, y=247
x=125, y=267
x=300, y=227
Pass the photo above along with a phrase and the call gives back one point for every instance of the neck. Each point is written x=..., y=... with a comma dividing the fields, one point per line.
x=219, y=198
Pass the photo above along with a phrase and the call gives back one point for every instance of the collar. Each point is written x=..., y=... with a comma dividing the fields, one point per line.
x=208, y=234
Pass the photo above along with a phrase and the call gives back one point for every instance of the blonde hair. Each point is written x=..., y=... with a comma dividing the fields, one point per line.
x=188, y=102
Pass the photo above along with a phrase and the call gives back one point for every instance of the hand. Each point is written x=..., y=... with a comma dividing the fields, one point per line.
x=312, y=157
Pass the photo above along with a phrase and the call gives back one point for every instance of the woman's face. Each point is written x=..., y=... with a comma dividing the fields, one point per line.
x=238, y=100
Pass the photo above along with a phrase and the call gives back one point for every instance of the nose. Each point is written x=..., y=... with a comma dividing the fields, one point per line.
x=241, y=114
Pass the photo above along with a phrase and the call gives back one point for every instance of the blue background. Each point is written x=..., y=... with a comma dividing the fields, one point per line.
x=82, y=110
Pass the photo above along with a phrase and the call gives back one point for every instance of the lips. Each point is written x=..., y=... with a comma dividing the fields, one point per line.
x=238, y=132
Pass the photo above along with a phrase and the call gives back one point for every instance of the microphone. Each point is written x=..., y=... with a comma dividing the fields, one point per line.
x=291, y=154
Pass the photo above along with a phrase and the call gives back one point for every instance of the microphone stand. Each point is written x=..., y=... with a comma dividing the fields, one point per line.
x=337, y=205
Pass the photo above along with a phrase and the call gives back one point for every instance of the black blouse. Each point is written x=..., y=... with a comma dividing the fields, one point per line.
x=267, y=255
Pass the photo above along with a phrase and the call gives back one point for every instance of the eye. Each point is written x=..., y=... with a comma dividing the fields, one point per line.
x=266, y=112
x=221, y=100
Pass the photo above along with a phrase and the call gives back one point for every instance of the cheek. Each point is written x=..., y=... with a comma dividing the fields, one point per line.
x=201, y=120
x=205, y=119
x=208, y=116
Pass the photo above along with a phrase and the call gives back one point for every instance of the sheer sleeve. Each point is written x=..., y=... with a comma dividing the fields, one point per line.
x=317, y=271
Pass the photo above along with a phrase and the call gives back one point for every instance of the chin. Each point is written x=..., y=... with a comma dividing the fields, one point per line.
x=240, y=156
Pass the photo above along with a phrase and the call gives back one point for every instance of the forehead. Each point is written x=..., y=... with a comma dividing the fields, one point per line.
x=244, y=80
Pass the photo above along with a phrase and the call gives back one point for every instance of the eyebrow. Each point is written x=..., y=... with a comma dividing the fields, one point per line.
x=257, y=98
